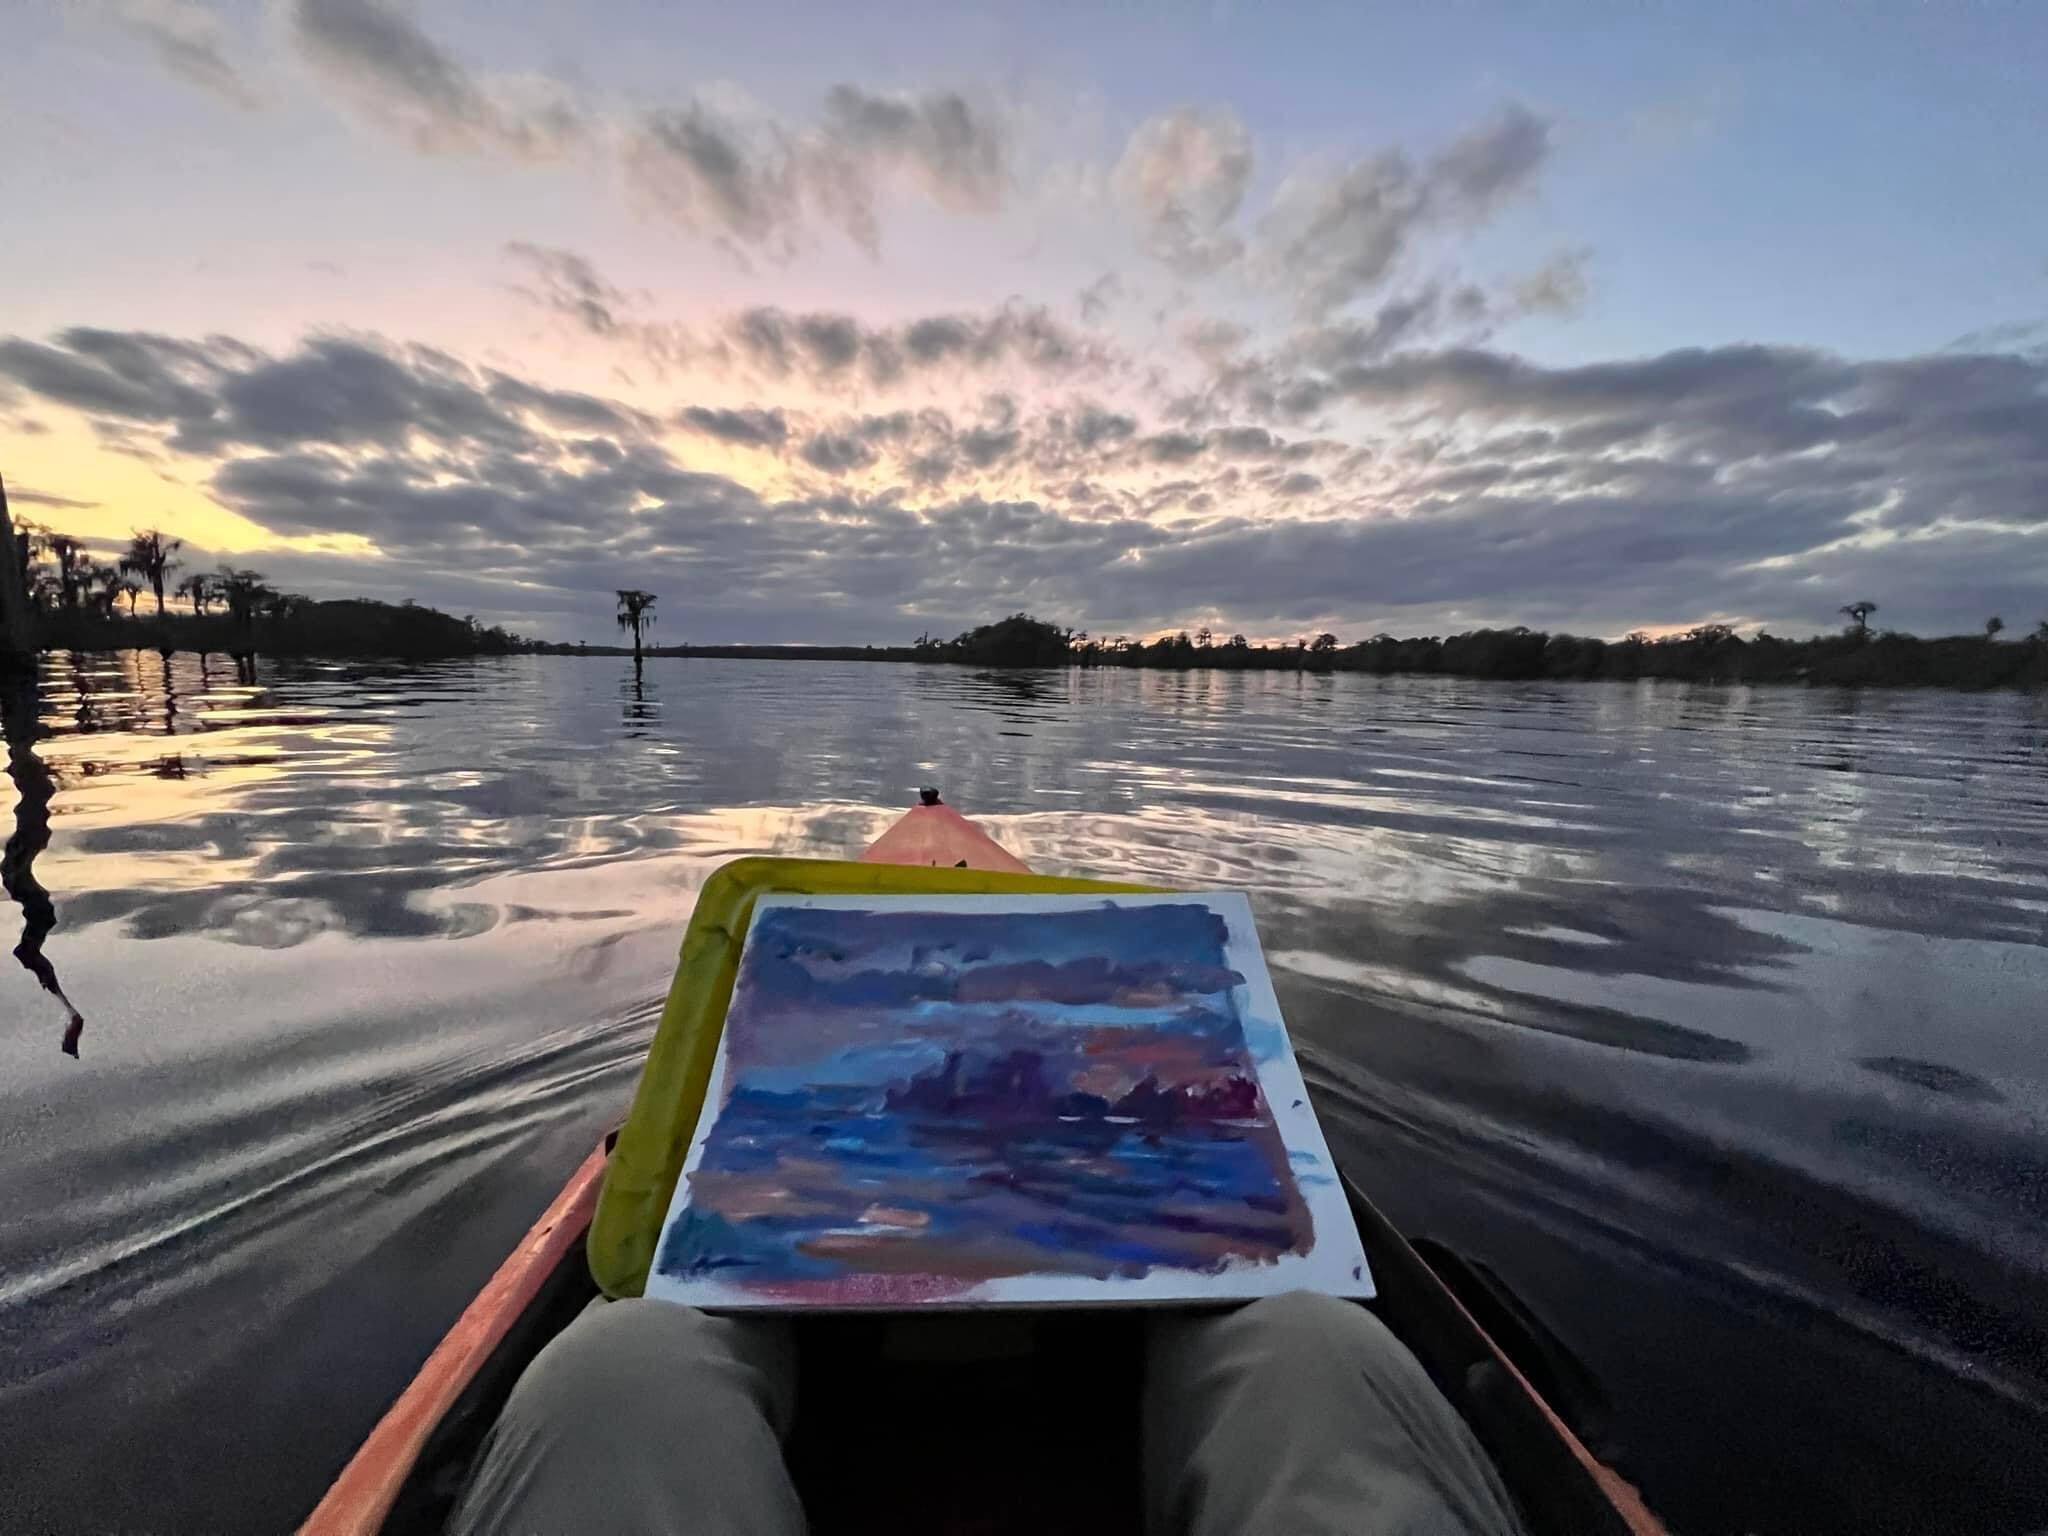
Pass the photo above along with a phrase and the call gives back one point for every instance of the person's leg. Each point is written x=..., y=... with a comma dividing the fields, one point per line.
x=644, y=1416
x=1300, y=1415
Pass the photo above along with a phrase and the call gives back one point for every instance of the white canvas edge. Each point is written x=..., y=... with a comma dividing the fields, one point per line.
x=1335, y=1263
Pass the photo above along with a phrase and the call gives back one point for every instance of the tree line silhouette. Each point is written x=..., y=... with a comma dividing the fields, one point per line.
x=1706, y=653
x=74, y=602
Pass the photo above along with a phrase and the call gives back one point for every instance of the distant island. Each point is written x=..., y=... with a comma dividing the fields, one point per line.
x=1713, y=653
x=54, y=595
x=350, y=626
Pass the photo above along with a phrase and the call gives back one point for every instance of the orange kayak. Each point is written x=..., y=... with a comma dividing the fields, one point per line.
x=406, y=1476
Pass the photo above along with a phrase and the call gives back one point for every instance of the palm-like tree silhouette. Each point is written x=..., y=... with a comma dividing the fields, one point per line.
x=244, y=592
x=1992, y=626
x=1858, y=613
x=198, y=588
x=74, y=567
x=636, y=613
x=107, y=583
x=149, y=556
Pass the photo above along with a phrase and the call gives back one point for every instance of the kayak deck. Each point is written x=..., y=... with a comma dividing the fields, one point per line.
x=936, y=836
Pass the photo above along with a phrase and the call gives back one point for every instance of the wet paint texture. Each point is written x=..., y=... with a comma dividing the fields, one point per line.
x=917, y=1102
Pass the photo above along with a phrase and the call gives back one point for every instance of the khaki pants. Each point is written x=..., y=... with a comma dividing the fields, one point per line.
x=1297, y=1415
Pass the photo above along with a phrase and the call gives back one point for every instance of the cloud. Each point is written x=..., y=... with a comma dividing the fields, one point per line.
x=957, y=151
x=751, y=428
x=1183, y=176
x=1099, y=297
x=738, y=565
x=1215, y=340
x=220, y=396
x=1292, y=381
x=836, y=452
x=123, y=375
x=1903, y=444
x=1466, y=486
x=986, y=446
x=571, y=286
x=821, y=346
x=1491, y=164
x=1781, y=392
x=2011, y=336
x=1090, y=426
x=189, y=42
x=1557, y=287
x=1257, y=443
x=829, y=348
x=345, y=393
x=1332, y=237
x=408, y=84
x=1441, y=309
x=927, y=448
x=715, y=164
x=1026, y=334
x=1396, y=323
x=24, y=496
x=760, y=185
x=1174, y=447
x=566, y=408
x=1043, y=451
x=1229, y=443
x=715, y=174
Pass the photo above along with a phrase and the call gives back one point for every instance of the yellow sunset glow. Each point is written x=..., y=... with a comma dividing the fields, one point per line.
x=123, y=493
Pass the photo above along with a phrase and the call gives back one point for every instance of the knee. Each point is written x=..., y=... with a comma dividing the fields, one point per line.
x=601, y=1357
x=621, y=1352
x=1300, y=1315
x=634, y=1328
x=1300, y=1334
x=649, y=1413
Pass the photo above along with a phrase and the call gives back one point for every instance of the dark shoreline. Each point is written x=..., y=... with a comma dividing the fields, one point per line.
x=363, y=630
x=2022, y=666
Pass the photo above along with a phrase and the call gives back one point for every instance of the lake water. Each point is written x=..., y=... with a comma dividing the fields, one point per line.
x=1710, y=1020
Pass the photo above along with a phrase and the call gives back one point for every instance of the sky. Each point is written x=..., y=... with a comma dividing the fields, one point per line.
x=848, y=324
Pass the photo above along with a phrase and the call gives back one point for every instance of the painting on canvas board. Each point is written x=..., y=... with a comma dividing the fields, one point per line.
x=1004, y=1100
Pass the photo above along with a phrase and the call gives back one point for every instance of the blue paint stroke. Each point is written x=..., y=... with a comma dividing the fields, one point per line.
x=974, y=1095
